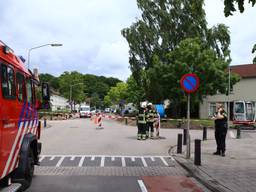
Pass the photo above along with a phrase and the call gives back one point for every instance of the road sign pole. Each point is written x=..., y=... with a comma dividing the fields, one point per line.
x=188, y=126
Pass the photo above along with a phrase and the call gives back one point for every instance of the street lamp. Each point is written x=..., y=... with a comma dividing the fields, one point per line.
x=49, y=44
x=70, y=94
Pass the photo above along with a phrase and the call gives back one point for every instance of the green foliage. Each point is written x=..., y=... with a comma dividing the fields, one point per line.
x=172, y=39
x=230, y=6
x=85, y=88
x=117, y=94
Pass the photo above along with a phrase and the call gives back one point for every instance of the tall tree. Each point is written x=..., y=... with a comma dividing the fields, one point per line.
x=230, y=8
x=155, y=38
x=72, y=80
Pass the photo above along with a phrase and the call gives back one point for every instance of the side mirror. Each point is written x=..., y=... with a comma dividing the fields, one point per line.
x=45, y=92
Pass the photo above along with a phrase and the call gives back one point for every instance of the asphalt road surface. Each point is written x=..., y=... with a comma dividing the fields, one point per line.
x=78, y=157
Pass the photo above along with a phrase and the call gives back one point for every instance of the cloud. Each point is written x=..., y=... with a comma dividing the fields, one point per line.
x=240, y=26
x=90, y=33
x=89, y=30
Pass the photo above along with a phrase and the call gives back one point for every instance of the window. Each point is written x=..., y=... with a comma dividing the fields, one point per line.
x=8, y=83
x=239, y=107
x=20, y=86
x=29, y=91
x=212, y=109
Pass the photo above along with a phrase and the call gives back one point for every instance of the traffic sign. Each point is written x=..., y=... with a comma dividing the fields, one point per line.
x=189, y=82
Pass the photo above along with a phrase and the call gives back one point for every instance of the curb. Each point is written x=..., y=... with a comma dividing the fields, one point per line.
x=201, y=176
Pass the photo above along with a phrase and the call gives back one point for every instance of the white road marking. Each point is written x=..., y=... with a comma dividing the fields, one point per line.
x=52, y=158
x=102, y=161
x=172, y=158
x=133, y=159
x=92, y=158
x=41, y=158
x=164, y=161
x=72, y=158
x=142, y=186
x=112, y=158
x=152, y=158
x=144, y=162
x=81, y=161
x=123, y=162
x=60, y=161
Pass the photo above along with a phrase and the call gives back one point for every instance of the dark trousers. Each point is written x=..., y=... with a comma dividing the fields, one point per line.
x=141, y=129
x=220, y=137
x=150, y=127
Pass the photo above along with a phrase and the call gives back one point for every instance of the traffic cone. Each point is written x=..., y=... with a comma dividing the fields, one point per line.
x=99, y=119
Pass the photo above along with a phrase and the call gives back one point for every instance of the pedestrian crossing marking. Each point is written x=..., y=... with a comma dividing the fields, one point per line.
x=60, y=161
x=102, y=161
x=144, y=162
x=105, y=161
x=123, y=162
x=81, y=161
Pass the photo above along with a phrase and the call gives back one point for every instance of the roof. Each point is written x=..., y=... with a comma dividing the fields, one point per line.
x=245, y=71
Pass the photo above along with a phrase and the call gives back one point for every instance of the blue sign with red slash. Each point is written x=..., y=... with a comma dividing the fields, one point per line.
x=189, y=83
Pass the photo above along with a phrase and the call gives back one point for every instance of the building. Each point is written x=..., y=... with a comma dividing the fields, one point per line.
x=245, y=90
x=59, y=103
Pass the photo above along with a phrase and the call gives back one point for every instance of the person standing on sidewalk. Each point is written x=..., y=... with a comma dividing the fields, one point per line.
x=220, y=121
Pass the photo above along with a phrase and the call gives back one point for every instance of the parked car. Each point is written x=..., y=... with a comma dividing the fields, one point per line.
x=107, y=110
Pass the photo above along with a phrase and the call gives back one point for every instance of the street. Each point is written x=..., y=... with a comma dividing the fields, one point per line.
x=78, y=157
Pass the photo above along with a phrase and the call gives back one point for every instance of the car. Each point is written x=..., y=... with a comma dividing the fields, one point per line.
x=85, y=111
x=107, y=110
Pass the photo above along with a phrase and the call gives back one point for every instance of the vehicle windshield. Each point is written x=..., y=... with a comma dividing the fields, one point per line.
x=85, y=109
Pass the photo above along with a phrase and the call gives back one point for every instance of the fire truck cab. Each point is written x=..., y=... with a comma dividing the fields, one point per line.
x=19, y=121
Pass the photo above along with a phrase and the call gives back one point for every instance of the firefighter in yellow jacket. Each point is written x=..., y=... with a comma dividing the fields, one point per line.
x=151, y=117
x=142, y=122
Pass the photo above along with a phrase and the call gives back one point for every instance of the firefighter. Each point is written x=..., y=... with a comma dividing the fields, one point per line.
x=220, y=120
x=151, y=115
x=142, y=123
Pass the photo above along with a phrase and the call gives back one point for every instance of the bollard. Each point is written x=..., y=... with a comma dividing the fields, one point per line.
x=184, y=136
x=44, y=122
x=179, y=144
x=204, y=133
x=126, y=121
x=238, y=134
x=197, y=157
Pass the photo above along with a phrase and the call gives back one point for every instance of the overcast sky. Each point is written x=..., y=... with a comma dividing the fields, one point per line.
x=90, y=33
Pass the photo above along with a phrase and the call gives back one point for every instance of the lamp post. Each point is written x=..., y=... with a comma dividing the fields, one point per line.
x=70, y=94
x=49, y=44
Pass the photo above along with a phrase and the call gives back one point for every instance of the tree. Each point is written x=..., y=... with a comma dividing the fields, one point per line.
x=156, y=60
x=48, y=78
x=135, y=94
x=74, y=79
x=230, y=6
x=117, y=94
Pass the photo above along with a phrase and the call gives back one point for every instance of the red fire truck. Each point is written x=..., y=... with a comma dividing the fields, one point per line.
x=19, y=122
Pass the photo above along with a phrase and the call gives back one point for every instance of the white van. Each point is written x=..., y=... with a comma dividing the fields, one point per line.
x=85, y=111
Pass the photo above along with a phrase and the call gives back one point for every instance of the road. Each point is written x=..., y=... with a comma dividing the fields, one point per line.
x=78, y=157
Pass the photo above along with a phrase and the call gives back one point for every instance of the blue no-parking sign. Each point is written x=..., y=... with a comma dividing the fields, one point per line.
x=189, y=82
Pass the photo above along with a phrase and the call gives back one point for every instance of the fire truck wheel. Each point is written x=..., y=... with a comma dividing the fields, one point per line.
x=28, y=171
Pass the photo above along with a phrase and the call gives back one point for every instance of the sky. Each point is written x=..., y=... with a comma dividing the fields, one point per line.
x=90, y=31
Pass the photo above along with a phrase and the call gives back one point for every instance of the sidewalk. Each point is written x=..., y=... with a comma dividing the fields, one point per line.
x=235, y=172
